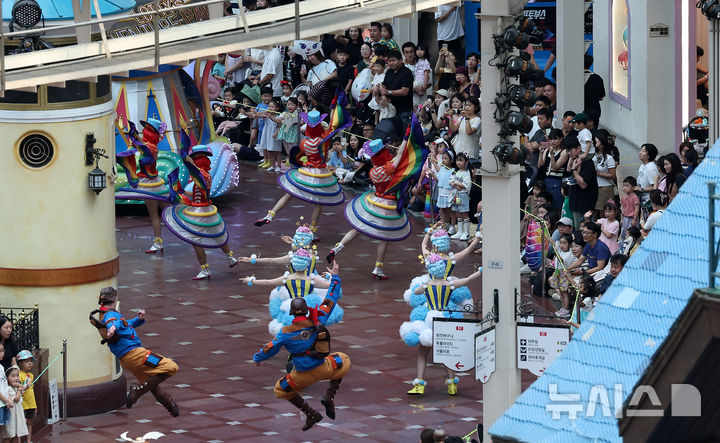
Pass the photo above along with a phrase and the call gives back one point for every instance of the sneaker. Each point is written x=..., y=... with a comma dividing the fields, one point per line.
x=263, y=221
x=232, y=261
x=457, y=235
x=278, y=169
x=452, y=384
x=267, y=166
x=563, y=313
x=203, y=274
x=418, y=387
x=263, y=164
x=525, y=270
x=379, y=274
x=451, y=231
x=156, y=246
x=463, y=236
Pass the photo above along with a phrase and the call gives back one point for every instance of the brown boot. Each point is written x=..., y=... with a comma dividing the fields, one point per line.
x=136, y=391
x=166, y=400
x=313, y=416
x=327, y=399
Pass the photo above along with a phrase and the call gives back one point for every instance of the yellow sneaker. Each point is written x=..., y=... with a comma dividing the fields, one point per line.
x=452, y=384
x=268, y=165
x=263, y=164
x=418, y=387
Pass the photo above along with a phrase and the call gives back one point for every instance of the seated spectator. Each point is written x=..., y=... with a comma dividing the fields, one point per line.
x=632, y=240
x=564, y=226
x=690, y=161
x=596, y=253
x=617, y=263
x=660, y=201
x=321, y=69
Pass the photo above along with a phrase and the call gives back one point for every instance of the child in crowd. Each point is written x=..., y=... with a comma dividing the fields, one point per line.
x=289, y=131
x=584, y=136
x=561, y=280
x=345, y=71
x=461, y=203
x=630, y=205
x=423, y=190
x=441, y=174
x=15, y=428
x=532, y=203
x=269, y=142
x=302, y=98
x=588, y=293
x=266, y=94
x=339, y=162
x=286, y=91
x=617, y=263
x=25, y=361
x=565, y=192
x=378, y=70
x=382, y=106
x=7, y=401
x=660, y=201
x=422, y=64
x=610, y=227
x=632, y=239
x=563, y=258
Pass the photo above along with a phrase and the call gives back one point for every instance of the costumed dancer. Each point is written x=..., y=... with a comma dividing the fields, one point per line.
x=149, y=368
x=313, y=182
x=145, y=184
x=301, y=281
x=436, y=298
x=380, y=214
x=308, y=341
x=195, y=219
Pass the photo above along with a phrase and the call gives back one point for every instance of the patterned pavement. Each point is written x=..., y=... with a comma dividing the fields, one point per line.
x=212, y=328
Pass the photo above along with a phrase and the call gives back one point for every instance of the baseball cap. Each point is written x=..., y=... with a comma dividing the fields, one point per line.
x=24, y=355
x=565, y=221
x=443, y=92
x=580, y=118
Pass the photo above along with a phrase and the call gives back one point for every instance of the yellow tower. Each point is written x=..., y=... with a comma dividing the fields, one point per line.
x=57, y=236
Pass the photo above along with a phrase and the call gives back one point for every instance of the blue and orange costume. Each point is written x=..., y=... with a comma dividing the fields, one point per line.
x=308, y=342
x=149, y=368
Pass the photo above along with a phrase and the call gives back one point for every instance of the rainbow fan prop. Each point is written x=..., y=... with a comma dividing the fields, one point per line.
x=534, y=246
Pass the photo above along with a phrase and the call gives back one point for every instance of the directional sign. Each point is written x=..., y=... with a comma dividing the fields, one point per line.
x=539, y=345
x=454, y=342
x=484, y=354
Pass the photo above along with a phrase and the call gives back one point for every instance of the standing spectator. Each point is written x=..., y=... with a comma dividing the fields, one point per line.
x=25, y=360
x=553, y=160
x=345, y=71
x=594, y=89
x=584, y=135
x=272, y=71
x=629, y=205
x=218, y=70
x=544, y=119
x=398, y=83
x=583, y=189
x=421, y=74
x=255, y=57
x=234, y=68
x=647, y=171
x=450, y=32
x=464, y=86
x=421, y=54
x=472, y=63
x=445, y=69
x=673, y=168
x=567, y=124
x=16, y=427
x=660, y=201
x=352, y=41
x=468, y=129
x=375, y=33
x=605, y=170
x=551, y=93
x=322, y=69
x=292, y=64
x=6, y=339
x=610, y=226
x=703, y=79
x=365, y=54
x=387, y=34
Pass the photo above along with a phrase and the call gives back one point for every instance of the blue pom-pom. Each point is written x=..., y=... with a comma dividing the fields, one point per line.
x=460, y=294
x=412, y=339
x=313, y=300
x=417, y=299
x=336, y=315
x=274, y=307
x=285, y=318
x=419, y=313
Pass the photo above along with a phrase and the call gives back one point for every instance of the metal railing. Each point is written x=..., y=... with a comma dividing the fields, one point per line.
x=26, y=326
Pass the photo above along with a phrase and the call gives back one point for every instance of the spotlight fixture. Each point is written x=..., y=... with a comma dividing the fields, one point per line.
x=519, y=66
x=709, y=8
x=513, y=37
x=517, y=121
x=522, y=96
x=507, y=153
x=26, y=14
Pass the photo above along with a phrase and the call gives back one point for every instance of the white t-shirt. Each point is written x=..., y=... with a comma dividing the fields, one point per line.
x=584, y=137
x=450, y=28
x=237, y=76
x=321, y=71
x=652, y=219
x=273, y=64
x=257, y=54
x=604, y=165
x=468, y=143
x=3, y=383
x=646, y=177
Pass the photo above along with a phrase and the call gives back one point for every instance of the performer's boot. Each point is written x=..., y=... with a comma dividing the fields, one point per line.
x=136, y=391
x=452, y=384
x=313, y=416
x=265, y=220
x=156, y=246
x=327, y=399
x=378, y=272
x=314, y=229
x=166, y=400
x=334, y=251
x=418, y=387
x=204, y=273
x=232, y=261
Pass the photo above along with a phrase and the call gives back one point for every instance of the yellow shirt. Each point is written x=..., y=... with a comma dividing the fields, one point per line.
x=28, y=399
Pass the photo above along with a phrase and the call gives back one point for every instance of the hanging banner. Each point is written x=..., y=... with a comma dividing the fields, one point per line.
x=454, y=342
x=484, y=354
x=539, y=345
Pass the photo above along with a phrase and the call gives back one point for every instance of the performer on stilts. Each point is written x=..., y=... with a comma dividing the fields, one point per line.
x=435, y=298
x=149, y=368
x=195, y=219
x=380, y=214
x=145, y=184
x=308, y=341
x=313, y=182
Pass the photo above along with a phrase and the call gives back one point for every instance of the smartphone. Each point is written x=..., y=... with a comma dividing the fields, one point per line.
x=444, y=46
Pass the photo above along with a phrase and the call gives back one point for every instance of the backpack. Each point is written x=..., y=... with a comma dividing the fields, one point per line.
x=320, y=347
x=102, y=330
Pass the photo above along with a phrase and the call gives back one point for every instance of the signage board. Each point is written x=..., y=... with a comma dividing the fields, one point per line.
x=539, y=345
x=484, y=354
x=454, y=342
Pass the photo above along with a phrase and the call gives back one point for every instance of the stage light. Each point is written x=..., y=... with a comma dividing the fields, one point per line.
x=507, y=153
x=522, y=96
x=514, y=38
x=25, y=14
x=709, y=8
x=517, y=121
x=520, y=66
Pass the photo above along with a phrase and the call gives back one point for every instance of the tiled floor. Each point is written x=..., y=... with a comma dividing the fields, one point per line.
x=212, y=328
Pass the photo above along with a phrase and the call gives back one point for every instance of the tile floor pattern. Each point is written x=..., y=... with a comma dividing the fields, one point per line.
x=212, y=328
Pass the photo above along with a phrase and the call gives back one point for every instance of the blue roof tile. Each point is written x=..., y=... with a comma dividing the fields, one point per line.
x=616, y=343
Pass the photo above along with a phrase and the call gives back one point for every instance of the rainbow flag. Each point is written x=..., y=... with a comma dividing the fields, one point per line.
x=411, y=162
x=126, y=159
x=175, y=190
x=339, y=120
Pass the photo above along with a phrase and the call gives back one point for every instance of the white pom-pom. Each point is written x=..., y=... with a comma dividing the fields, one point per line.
x=429, y=317
x=285, y=306
x=426, y=337
x=274, y=327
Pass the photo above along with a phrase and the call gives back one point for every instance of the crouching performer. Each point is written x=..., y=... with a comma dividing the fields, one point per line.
x=308, y=340
x=149, y=368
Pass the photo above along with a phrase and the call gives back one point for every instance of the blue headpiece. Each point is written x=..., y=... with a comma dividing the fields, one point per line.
x=440, y=240
x=301, y=260
x=303, y=238
x=435, y=266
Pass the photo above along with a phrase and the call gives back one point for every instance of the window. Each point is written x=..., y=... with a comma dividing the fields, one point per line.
x=620, y=52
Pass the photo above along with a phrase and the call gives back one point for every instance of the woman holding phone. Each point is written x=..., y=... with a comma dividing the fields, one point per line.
x=553, y=158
